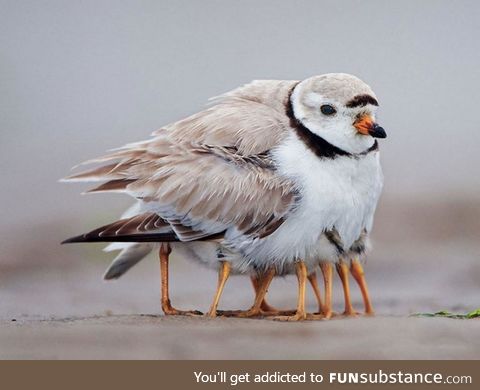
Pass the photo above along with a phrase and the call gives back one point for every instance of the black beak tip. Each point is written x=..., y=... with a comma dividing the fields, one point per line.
x=378, y=132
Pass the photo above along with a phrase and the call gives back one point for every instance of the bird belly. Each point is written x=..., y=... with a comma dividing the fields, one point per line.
x=339, y=194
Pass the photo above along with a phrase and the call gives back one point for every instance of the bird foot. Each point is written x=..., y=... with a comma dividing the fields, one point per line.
x=254, y=312
x=170, y=311
x=230, y=313
x=291, y=318
x=316, y=317
x=328, y=314
x=350, y=313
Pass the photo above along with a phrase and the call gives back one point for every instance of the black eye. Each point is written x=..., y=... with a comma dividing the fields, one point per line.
x=327, y=109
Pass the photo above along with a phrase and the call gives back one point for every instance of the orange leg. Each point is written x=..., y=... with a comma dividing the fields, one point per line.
x=260, y=307
x=266, y=309
x=260, y=285
x=257, y=286
x=301, y=314
x=223, y=274
x=359, y=276
x=343, y=272
x=167, y=308
x=312, y=278
x=327, y=271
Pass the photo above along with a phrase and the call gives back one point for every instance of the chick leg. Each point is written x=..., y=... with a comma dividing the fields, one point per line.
x=301, y=314
x=167, y=308
x=268, y=310
x=223, y=274
x=359, y=276
x=260, y=284
x=344, y=273
x=257, y=286
x=312, y=278
x=260, y=307
x=327, y=271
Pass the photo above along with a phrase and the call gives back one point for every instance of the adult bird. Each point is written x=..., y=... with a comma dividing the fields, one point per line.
x=272, y=178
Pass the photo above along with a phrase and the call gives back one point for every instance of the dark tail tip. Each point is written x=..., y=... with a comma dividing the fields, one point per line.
x=71, y=240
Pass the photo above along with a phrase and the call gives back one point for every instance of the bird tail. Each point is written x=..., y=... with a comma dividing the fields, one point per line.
x=135, y=235
x=129, y=255
x=146, y=227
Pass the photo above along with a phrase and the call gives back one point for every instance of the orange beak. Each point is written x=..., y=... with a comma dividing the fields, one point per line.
x=366, y=125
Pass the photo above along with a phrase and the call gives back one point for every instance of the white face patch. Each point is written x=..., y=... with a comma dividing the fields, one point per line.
x=338, y=128
x=314, y=100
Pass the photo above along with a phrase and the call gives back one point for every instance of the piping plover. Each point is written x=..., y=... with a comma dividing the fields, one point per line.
x=273, y=177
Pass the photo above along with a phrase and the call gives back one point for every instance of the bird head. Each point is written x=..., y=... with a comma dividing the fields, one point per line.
x=340, y=108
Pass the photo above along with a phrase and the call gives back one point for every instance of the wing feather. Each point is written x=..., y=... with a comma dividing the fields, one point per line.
x=211, y=171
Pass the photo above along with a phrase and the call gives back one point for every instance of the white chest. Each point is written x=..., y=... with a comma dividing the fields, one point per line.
x=339, y=193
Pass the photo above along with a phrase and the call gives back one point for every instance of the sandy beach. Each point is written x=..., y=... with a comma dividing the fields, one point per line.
x=54, y=304
x=158, y=337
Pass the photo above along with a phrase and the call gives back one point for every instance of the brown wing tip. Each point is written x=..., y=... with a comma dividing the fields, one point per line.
x=112, y=186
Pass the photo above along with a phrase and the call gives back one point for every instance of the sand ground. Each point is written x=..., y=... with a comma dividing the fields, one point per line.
x=54, y=304
x=159, y=337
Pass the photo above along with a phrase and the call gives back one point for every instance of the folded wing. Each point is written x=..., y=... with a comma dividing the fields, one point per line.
x=207, y=174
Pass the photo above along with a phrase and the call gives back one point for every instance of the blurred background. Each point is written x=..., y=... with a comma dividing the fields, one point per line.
x=78, y=78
